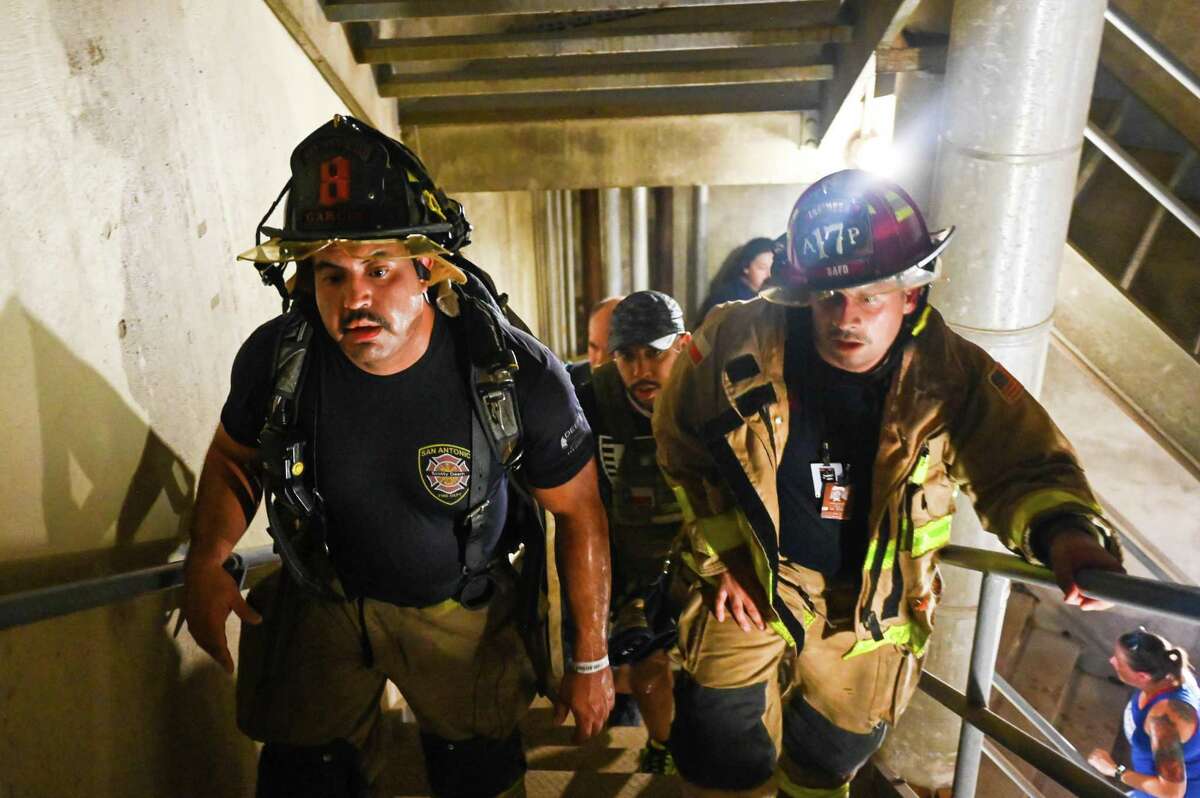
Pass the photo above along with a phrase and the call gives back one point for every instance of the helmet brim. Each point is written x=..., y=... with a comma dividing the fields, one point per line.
x=284, y=250
x=277, y=250
x=922, y=272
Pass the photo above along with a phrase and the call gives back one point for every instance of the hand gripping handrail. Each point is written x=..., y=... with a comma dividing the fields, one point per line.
x=32, y=606
x=1162, y=598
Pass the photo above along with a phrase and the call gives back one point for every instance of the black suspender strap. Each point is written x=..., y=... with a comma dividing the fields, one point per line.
x=293, y=510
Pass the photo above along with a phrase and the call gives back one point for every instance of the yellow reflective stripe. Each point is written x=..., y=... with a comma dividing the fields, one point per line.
x=921, y=322
x=922, y=469
x=685, y=503
x=780, y=629
x=870, y=553
x=722, y=532
x=1030, y=506
x=909, y=635
x=806, y=617
x=791, y=788
x=933, y=535
x=442, y=607
x=889, y=555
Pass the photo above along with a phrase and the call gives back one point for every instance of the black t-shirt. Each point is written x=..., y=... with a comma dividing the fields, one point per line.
x=843, y=409
x=393, y=454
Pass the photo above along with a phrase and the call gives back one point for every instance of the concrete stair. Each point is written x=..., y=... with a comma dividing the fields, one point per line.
x=604, y=766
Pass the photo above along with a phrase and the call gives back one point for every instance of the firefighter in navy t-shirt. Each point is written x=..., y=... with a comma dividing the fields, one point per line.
x=382, y=418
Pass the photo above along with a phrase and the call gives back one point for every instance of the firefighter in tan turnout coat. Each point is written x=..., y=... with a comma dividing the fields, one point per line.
x=817, y=437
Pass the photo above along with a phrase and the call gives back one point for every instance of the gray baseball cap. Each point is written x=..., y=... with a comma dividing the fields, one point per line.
x=651, y=318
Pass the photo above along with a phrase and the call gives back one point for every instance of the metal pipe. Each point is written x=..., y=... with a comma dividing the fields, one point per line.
x=1156, y=219
x=1018, y=88
x=1173, y=66
x=1016, y=97
x=698, y=257
x=553, y=335
x=1095, y=158
x=1045, y=727
x=33, y=606
x=568, y=242
x=1077, y=780
x=1152, y=184
x=993, y=595
x=639, y=231
x=1163, y=598
x=610, y=199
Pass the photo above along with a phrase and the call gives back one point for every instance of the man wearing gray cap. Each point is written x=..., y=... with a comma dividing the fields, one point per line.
x=646, y=335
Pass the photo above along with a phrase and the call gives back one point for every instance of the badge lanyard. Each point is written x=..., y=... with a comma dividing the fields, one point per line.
x=831, y=480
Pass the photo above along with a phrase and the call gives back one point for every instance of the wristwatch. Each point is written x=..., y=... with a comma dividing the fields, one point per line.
x=1120, y=772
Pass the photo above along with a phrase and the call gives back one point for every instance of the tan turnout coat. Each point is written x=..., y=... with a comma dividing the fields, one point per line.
x=952, y=419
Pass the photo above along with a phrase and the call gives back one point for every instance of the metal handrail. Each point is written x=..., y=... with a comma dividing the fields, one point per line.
x=1143, y=178
x=1178, y=601
x=1163, y=598
x=1080, y=781
x=1172, y=65
x=20, y=609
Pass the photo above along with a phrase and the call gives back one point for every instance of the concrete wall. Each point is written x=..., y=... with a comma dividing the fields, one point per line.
x=140, y=151
x=719, y=149
x=503, y=244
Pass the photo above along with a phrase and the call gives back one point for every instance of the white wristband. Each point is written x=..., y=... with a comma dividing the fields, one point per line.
x=595, y=666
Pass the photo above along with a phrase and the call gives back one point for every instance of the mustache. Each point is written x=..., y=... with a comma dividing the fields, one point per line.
x=644, y=384
x=838, y=334
x=363, y=315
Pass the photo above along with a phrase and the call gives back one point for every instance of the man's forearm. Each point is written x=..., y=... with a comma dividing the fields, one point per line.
x=226, y=499
x=584, y=562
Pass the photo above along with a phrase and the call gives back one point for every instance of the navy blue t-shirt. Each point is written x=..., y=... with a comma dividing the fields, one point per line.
x=843, y=409
x=392, y=454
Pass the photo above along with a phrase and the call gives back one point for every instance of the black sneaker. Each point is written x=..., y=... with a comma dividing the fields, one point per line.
x=625, y=711
x=655, y=758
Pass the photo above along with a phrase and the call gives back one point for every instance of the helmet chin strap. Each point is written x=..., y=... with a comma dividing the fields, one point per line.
x=272, y=273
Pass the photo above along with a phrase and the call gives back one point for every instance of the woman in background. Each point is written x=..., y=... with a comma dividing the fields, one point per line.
x=1161, y=719
x=742, y=275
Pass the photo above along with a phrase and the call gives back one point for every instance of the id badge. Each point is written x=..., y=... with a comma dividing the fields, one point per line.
x=835, y=501
x=824, y=474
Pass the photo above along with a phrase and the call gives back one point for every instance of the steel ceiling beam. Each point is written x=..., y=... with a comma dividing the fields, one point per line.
x=687, y=101
x=890, y=60
x=539, y=45
x=371, y=10
x=458, y=86
x=769, y=15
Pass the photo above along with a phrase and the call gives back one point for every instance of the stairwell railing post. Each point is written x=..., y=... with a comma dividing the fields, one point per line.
x=993, y=596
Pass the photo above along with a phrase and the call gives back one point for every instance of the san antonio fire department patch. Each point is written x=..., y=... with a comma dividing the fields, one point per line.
x=445, y=471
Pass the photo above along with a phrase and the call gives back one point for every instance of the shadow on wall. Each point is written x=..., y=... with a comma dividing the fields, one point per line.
x=130, y=710
x=107, y=479
x=104, y=703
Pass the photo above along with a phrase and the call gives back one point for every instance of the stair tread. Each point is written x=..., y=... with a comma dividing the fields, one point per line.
x=607, y=759
x=610, y=756
x=555, y=783
x=538, y=729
